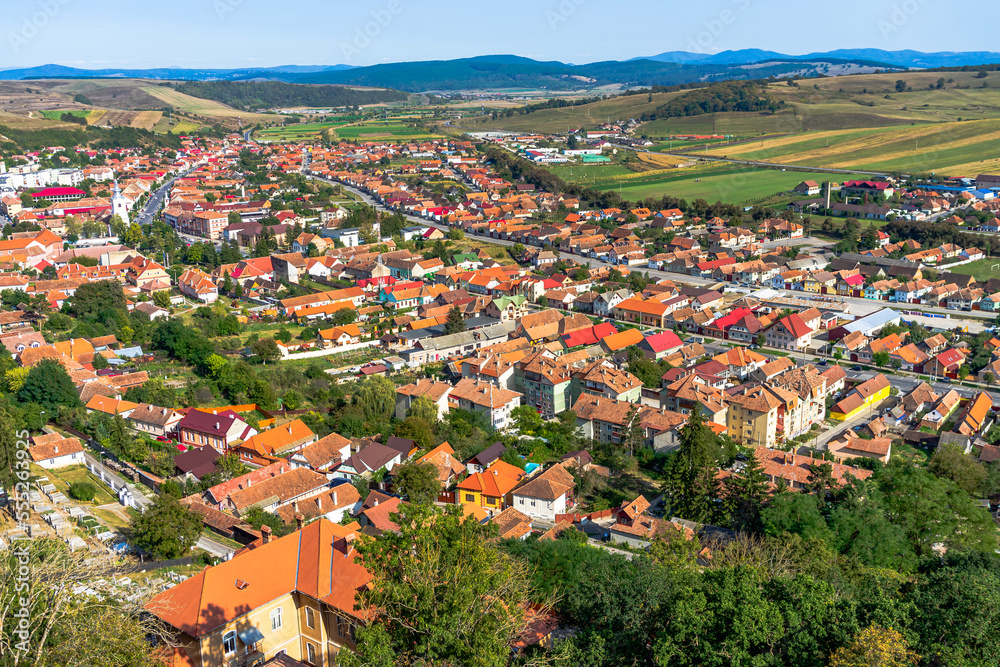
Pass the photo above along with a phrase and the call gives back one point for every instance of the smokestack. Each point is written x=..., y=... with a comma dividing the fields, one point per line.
x=827, y=199
x=265, y=531
x=299, y=520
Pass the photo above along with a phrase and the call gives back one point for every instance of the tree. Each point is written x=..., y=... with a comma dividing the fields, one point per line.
x=266, y=349
x=691, y=487
x=424, y=408
x=100, y=362
x=229, y=466
x=292, y=400
x=880, y=358
x=376, y=397
x=875, y=647
x=442, y=593
x=543, y=301
x=49, y=385
x=416, y=429
x=166, y=528
x=94, y=298
x=950, y=462
x=162, y=298
x=900, y=86
x=744, y=494
x=417, y=482
x=84, y=491
x=455, y=322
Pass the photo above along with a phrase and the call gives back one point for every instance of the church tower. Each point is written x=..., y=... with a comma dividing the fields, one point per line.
x=119, y=205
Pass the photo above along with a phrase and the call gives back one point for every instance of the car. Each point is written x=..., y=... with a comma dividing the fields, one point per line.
x=824, y=362
x=163, y=438
x=945, y=380
x=856, y=368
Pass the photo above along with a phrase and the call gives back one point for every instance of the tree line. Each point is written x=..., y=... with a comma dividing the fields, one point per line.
x=270, y=94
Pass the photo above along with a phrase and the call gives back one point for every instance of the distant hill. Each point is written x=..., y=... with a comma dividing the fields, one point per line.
x=506, y=71
x=250, y=95
x=281, y=72
x=905, y=58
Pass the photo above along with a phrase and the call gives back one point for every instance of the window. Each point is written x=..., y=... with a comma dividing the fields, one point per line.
x=276, y=619
x=343, y=627
x=229, y=642
x=469, y=498
x=310, y=653
x=310, y=618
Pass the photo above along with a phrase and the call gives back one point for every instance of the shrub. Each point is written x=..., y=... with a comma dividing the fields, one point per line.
x=82, y=491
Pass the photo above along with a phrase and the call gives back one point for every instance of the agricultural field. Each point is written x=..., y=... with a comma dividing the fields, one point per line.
x=587, y=116
x=209, y=108
x=57, y=114
x=948, y=148
x=739, y=186
x=981, y=270
x=295, y=132
x=382, y=131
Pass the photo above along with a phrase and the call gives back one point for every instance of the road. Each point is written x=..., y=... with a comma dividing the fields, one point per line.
x=214, y=548
x=149, y=211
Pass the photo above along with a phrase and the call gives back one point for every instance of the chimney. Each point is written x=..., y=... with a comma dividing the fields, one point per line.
x=265, y=531
x=299, y=520
x=295, y=505
x=376, y=503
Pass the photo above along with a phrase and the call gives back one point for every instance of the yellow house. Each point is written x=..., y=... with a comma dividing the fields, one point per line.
x=869, y=393
x=810, y=284
x=293, y=595
x=491, y=488
x=756, y=415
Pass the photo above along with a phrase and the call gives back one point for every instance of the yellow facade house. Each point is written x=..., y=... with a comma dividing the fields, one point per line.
x=292, y=595
x=866, y=394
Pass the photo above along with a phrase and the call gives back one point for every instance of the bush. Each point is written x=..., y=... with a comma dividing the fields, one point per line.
x=82, y=491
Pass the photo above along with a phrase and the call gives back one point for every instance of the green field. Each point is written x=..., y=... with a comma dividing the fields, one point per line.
x=299, y=132
x=382, y=131
x=740, y=186
x=982, y=270
x=56, y=114
x=581, y=173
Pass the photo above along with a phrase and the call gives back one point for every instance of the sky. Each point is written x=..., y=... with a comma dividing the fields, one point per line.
x=258, y=33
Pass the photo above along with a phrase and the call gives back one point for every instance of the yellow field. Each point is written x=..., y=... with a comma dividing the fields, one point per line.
x=202, y=107
x=95, y=116
x=146, y=119
x=660, y=160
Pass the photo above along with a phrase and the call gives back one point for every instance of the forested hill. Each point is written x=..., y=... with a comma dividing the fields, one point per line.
x=246, y=95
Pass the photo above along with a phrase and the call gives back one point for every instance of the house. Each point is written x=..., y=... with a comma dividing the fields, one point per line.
x=851, y=447
x=333, y=505
x=869, y=393
x=946, y=363
x=940, y=411
x=512, y=524
x=975, y=415
x=602, y=378
x=490, y=489
x=196, y=462
x=265, y=447
x=197, y=284
x=795, y=469
x=368, y=461
x=51, y=450
x=507, y=308
x=154, y=420
x=292, y=596
x=274, y=492
x=437, y=392
x=657, y=346
x=349, y=334
x=443, y=459
x=496, y=402
x=220, y=430
x=790, y=333
x=485, y=458
x=324, y=455
x=545, y=495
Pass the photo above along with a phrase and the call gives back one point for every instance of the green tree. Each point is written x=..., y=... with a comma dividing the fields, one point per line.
x=93, y=299
x=84, y=491
x=951, y=462
x=417, y=482
x=442, y=593
x=744, y=494
x=880, y=358
x=229, y=466
x=416, y=429
x=99, y=362
x=455, y=322
x=292, y=400
x=166, y=529
x=691, y=488
x=49, y=385
x=424, y=408
x=376, y=397
x=162, y=298
x=266, y=349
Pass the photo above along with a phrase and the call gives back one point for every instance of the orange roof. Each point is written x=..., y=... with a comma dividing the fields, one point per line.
x=496, y=481
x=276, y=439
x=317, y=561
x=623, y=339
x=110, y=406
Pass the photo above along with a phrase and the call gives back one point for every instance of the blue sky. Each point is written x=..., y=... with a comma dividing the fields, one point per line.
x=247, y=33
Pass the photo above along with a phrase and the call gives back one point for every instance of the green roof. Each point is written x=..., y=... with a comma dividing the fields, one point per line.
x=464, y=257
x=503, y=301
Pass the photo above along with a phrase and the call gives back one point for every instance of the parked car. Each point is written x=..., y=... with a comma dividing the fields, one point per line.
x=855, y=368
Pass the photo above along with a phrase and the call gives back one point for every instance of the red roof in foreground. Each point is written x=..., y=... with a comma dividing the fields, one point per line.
x=57, y=192
x=663, y=341
x=591, y=336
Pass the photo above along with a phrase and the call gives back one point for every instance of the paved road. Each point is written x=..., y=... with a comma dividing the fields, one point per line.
x=214, y=548
x=149, y=211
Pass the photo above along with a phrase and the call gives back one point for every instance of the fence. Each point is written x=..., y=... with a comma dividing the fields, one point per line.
x=446, y=497
x=155, y=565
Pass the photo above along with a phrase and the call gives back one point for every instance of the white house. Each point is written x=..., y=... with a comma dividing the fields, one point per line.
x=56, y=452
x=605, y=302
x=546, y=495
